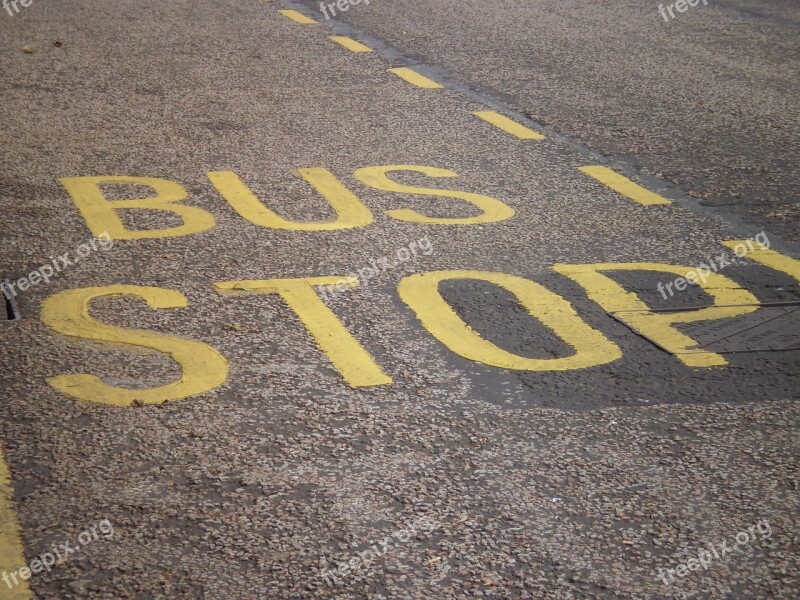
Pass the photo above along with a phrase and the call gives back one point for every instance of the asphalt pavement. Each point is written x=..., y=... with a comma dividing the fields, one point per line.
x=441, y=301
x=705, y=99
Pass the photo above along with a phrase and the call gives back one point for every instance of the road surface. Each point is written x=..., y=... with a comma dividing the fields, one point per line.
x=441, y=301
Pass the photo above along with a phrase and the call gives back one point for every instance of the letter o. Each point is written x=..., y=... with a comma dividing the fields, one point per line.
x=746, y=538
x=421, y=293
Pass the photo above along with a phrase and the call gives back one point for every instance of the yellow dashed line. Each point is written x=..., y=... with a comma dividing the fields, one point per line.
x=297, y=17
x=350, y=43
x=11, y=553
x=415, y=78
x=624, y=186
x=508, y=125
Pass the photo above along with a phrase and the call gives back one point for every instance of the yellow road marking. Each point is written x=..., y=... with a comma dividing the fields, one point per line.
x=350, y=43
x=590, y=347
x=414, y=78
x=350, y=211
x=344, y=351
x=770, y=258
x=376, y=177
x=202, y=367
x=297, y=17
x=102, y=216
x=12, y=556
x=730, y=300
x=508, y=125
x=623, y=185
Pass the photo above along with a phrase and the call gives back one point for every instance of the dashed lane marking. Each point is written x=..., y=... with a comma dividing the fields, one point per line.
x=297, y=17
x=509, y=126
x=350, y=43
x=624, y=186
x=604, y=175
x=12, y=556
x=414, y=78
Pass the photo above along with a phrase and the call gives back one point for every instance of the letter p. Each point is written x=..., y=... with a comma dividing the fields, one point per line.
x=48, y=560
x=47, y=272
x=703, y=271
x=365, y=273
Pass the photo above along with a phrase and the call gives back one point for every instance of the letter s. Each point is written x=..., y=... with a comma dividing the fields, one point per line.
x=203, y=368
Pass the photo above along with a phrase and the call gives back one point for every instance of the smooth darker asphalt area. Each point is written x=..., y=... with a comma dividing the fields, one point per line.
x=294, y=315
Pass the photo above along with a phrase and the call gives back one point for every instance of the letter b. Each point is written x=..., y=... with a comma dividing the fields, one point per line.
x=101, y=214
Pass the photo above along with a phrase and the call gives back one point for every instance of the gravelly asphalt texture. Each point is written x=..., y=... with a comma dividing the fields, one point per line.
x=553, y=484
x=707, y=100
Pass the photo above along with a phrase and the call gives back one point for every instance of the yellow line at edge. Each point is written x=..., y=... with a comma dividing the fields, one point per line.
x=624, y=186
x=12, y=556
x=509, y=126
x=414, y=78
x=350, y=43
x=297, y=17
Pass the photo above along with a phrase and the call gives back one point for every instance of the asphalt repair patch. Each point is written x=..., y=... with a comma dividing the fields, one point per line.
x=495, y=314
x=771, y=327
